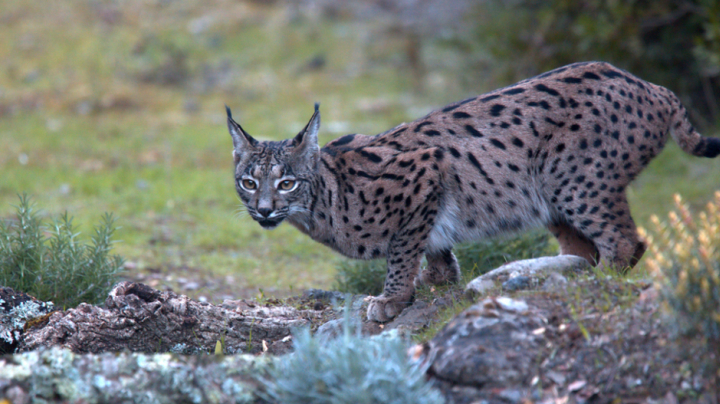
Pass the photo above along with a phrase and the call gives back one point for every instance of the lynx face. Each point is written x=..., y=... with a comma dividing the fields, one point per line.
x=274, y=179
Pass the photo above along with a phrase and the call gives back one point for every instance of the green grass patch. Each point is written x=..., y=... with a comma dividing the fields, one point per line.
x=475, y=259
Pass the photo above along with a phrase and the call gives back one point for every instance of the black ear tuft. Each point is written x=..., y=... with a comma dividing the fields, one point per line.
x=239, y=136
x=317, y=106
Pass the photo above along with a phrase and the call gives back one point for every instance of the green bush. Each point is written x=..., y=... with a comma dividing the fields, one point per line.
x=349, y=369
x=57, y=267
x=671, y=43
x=367, y=277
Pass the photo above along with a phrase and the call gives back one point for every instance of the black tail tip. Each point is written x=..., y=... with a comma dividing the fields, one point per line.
x=317, y=106
x=712, y=147
x=227, y=110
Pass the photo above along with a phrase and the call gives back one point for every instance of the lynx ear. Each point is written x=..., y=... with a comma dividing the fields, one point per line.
x=306, y=141
x=241, y=139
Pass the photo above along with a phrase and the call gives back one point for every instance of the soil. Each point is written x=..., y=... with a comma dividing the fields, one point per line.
x=606, y=339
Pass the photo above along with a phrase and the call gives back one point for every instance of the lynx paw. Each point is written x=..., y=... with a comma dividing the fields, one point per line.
x=383, y=309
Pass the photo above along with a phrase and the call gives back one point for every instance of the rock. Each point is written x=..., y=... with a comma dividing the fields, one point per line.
x=415, y=317
x=479, y=286
x=319, y=294
x=488, y=347
x=19, y=311
x=331, y=329
x=554, y=282
x=517, y=283
x=556, y=377
x=531, y=272
x=511, y=395
x=58, y=375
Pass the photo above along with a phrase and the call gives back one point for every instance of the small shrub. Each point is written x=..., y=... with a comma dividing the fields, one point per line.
x=367, y=277
x=349, y=369
x=685, y=262
x=57, y=268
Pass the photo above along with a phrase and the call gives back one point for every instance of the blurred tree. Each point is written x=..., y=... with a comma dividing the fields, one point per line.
x=674, y=43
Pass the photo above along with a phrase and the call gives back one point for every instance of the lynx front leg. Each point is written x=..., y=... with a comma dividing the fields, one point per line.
x=403, y=264
x=442, y=268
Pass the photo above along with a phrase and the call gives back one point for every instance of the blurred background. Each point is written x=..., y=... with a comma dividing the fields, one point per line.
x=117, y=106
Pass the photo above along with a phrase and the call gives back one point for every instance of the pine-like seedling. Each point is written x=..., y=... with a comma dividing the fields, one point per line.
x=50, y=263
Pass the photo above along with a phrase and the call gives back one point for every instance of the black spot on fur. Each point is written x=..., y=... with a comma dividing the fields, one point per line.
x=461, y=115
x=420, y=126
x=500, y=145
x=489, y=98
x=344, y=140
x=496, y=109
x=371, y=156
x=591, y=76
x=546, y=89
x=474, y=132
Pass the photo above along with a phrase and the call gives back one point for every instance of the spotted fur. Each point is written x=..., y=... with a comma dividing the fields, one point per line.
x=556, y=150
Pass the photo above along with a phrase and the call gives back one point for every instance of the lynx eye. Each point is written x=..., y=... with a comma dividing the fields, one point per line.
x=249, y=185
x=286, y=185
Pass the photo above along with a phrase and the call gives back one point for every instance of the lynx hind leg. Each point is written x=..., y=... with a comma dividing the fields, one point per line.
x=442, y=268
x=613, y=232
x=573, y=242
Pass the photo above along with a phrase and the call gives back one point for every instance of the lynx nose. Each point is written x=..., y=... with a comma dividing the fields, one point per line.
x=264, y=212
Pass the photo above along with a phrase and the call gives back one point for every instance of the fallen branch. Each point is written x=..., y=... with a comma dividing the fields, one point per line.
x=139, y=318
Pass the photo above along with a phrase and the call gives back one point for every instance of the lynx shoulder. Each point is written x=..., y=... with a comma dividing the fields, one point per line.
x=556, y=150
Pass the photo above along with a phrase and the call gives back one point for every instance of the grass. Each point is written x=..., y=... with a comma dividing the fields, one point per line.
x=118, y=108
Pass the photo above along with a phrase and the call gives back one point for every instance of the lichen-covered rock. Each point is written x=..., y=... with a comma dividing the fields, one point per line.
x=489, y=347
x=58, y=375
x=524, y=274
x=141, y=319
x=19, y=311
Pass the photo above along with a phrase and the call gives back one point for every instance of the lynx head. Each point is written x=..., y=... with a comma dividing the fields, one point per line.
x=274, y=179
